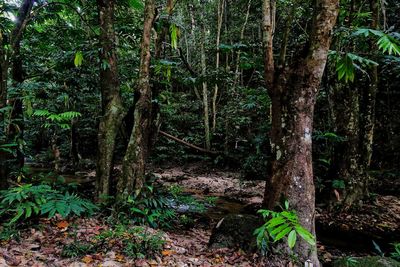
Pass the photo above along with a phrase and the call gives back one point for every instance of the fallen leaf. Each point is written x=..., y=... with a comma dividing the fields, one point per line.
x=120, y=258
x=167, y=253
x=62, y=224
x=87, y=259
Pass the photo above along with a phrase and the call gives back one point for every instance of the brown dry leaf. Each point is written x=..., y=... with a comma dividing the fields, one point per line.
x=11, y=259
x=167, y=253
x=120, y=258
x=87, y=259
x=62, y=224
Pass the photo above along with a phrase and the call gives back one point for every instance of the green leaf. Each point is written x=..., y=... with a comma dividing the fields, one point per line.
x=306, y=235
x=282, y=234
x=275, y=221
x=292, y=238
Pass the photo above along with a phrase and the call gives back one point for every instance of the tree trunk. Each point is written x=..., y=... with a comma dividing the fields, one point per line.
x=112, y=109
x=369, y=99
x=220, y=15
x=355, y=121
x=133, y=168
x=3, y=103
x=205, y=90
x=292, y=113
x=346, y=159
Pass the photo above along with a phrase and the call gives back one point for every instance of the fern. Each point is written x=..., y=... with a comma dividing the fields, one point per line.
x=27, y=201
x=67, y=204
x=61, y=120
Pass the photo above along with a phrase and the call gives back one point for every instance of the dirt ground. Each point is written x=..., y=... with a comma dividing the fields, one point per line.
x=377, y=220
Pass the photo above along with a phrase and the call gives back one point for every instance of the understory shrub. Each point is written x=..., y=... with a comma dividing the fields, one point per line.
x=29, y=201
x=279, y=225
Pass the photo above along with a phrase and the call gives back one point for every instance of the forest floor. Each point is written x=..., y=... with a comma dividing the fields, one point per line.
x=340, y=234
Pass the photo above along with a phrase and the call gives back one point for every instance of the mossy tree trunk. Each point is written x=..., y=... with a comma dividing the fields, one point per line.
x=112, y=108
x=134, y=164
x=355, y=122
x=293, y=93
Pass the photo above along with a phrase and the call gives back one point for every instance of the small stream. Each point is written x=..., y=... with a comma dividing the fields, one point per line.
x=351, y=242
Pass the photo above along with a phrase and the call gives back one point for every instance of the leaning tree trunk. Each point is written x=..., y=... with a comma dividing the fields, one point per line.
x=134, y=164
x=112, y=108
x=293, y=108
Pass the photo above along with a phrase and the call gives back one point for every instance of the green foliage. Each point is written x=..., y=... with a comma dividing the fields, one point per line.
x=386, y=43
x=175, y=33
x=150, y=207
x=29, y=201
x=279, y=225
x=396, y=253
x=62, y=119
x=348, y=63
x=350, y=261
x=137, y=242
x=8, y=148
x=338, y=184
x=67, y=204
x=9, y=233
x=77, y=249
x=136, y=4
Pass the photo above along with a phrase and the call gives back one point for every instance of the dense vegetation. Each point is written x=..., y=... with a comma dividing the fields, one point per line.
x=98, y=97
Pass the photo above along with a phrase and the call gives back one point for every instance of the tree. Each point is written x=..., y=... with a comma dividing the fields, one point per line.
x=112, y=108
x=293, y=91
x=13, y=58
x=134, y=163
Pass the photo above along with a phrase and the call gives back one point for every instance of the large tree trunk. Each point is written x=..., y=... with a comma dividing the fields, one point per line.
x=112, y=108
x=292, y=112
x=133, y=168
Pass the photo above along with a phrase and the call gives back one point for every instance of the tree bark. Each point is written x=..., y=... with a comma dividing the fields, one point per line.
x=134, y=164
x=3, y=103
x=292, y=113
x=206, y=115
x=220, y=15
x=112, y=108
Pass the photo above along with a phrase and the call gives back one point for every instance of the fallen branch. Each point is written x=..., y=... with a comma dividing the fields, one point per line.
x=189, y=145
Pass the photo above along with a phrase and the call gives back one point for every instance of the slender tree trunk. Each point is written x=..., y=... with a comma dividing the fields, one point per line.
x=237, y=74
x=112, y=108
x=16, y=131
x=294, y=109
x=205, y=90
x=220, y=15
x=134, y=164
x=369, y=99
x=3, y=103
